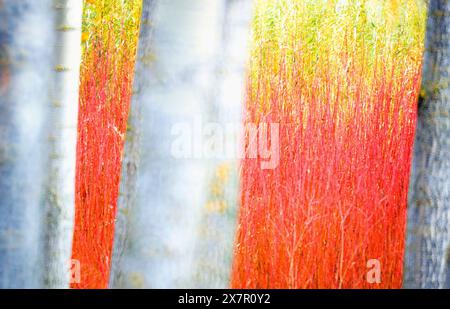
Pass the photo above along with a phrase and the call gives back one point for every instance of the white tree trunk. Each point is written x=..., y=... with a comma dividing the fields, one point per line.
x=427, y=261
x=163, y=197
x=39, y=65
x=131, y=158
x=63, y=120
x=215, y=236
x=26, y=38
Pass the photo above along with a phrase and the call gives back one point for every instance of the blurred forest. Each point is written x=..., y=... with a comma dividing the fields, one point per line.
x=224, y=143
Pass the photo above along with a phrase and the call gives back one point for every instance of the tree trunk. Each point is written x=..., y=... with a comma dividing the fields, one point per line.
x=163, y=196
x=39, y=61
x=25, y=72
x=131, y=156
x=60, y=199
x=427, y=261
x=215, y=235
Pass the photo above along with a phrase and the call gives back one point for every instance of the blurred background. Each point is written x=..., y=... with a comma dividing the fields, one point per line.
x=348, y=98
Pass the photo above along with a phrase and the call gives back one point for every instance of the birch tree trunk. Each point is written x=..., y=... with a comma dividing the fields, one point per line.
x=215, y=236
x=63, y=119
x=26, y=70
x=163, y=195
x=427, y=262
x=39, y=60
x=122, y=247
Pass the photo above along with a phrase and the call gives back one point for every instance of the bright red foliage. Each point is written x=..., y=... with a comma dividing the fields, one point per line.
x=105, y=92
x=338, y=197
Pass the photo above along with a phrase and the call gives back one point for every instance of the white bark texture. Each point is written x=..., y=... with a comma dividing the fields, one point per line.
x=215, y=235
x=162, y=197
x=427, y=261
x=60, y=199
x=25, y=71
x=39, y=62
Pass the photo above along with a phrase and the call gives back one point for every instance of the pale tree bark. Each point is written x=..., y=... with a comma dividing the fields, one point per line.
x=39, y=62
x=60, y=199
x=26, y=36
x=427, y=261
x=163, y=196
x=214, y=242
x=131, y=157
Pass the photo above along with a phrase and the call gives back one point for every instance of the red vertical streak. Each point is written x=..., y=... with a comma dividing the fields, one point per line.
x=105, y=92
x=338, y=197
